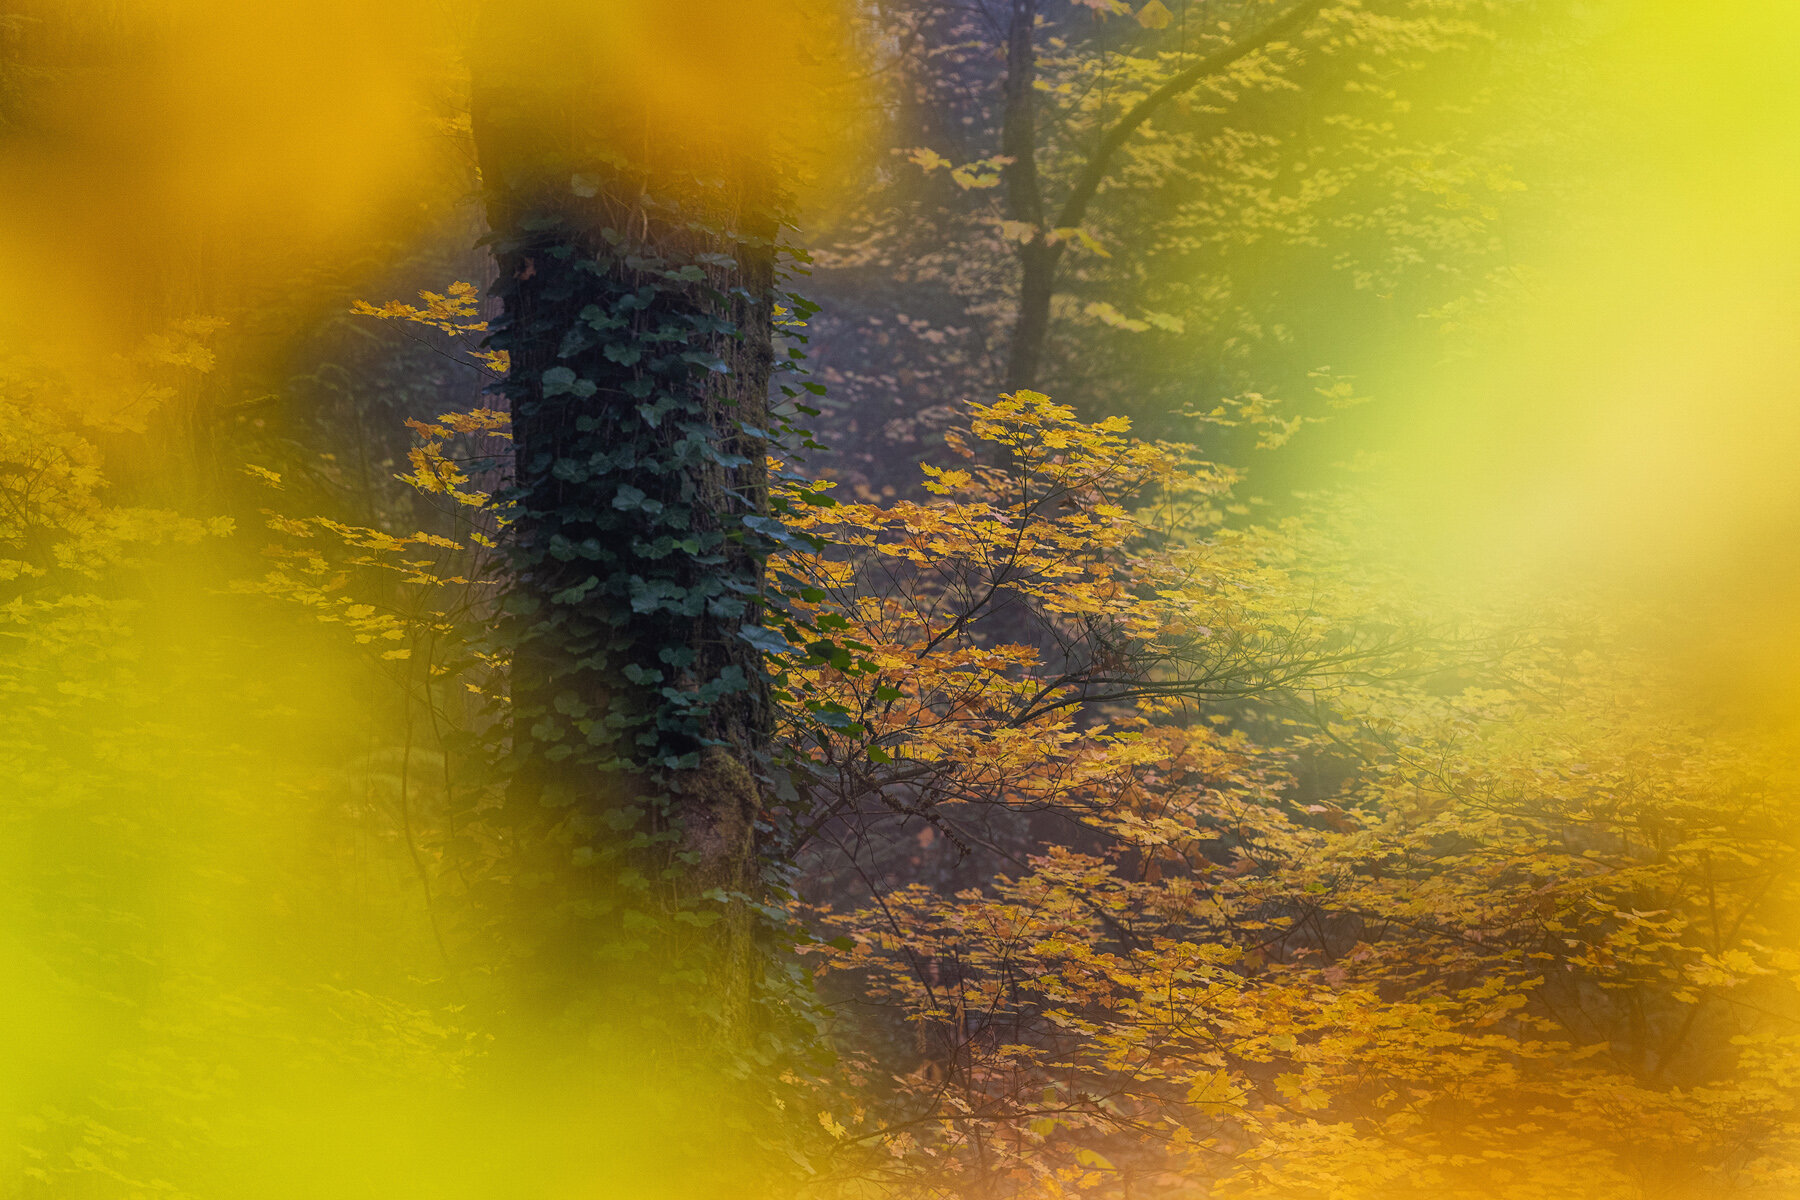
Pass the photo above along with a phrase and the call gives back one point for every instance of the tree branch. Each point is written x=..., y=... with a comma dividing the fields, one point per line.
x=1095, y=172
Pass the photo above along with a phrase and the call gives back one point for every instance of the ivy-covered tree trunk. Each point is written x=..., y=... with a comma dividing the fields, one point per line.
x=636, y=275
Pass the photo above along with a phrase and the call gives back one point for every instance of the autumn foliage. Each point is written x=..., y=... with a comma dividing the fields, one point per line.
x=1142, y=846
x=1159, y=805
x=1146, y=847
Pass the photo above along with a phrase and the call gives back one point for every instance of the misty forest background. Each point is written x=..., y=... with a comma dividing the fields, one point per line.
x=1008, y=598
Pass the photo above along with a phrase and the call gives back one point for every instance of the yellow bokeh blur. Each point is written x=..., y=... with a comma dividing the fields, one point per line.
x=220, y=969
x=181, y=157
x=1631, y=427
x=225, y=855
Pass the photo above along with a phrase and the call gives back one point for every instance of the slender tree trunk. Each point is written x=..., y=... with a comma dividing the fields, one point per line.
x=1037, y=286
x=1025, y=199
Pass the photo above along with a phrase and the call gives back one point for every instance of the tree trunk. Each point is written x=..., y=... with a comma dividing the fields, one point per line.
x=637, y=310
x=1037, y=285
x=1038, y=256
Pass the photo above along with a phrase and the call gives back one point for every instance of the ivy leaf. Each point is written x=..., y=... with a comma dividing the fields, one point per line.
x=828, y=651
x=769, y=527
x=623, y=353
x=574, y=595
x=710, y=362
x=559, y=381
x=651, y=595
x=769, y=641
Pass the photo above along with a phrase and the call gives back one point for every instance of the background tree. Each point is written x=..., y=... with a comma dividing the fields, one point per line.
x=1049, y=229
x=1246, y=215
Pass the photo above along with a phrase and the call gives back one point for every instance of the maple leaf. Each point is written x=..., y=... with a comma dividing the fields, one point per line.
x=927, y=159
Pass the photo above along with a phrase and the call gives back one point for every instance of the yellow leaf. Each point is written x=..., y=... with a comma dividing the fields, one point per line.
x=1082, y=238
x=1108, y=315
x=1215, y=1096
x=1018, y=231
x=927, y=158
x=1155, y=15
x=966, y=178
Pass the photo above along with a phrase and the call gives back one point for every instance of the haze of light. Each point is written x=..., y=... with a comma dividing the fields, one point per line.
x=1635, y=425
x=221, y=974
x=1630, y=428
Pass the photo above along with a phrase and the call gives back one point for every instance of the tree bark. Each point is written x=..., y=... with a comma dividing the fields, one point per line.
x=1037, y=287
x=636, y=274
x=1025, y=198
